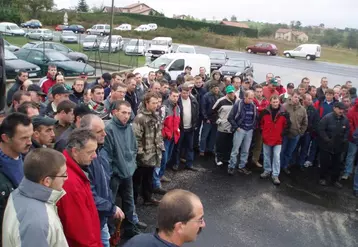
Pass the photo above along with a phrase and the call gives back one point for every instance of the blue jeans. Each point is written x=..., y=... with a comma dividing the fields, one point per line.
x=351, y=154
x=288, y=147
x=312, y=150
x=105, y=236
x=272, y=153
x=208, y=137
x=355, y=185
x=159, y=171
x=305, y=141
x=242, y=138
x=185, y=144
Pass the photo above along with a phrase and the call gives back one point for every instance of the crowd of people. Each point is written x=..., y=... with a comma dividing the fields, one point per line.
x=69, y=153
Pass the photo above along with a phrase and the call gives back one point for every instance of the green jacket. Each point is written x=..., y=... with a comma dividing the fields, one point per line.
x=121, y=146
x=6, y=187
x=148, y=132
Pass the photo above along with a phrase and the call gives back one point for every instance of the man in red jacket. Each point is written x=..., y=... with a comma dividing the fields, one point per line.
x=274, y=120
x=271, y=89
x=50, y=81
x=77, y=209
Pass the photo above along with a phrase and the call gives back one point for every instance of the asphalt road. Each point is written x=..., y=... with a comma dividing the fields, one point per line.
x=248, y=211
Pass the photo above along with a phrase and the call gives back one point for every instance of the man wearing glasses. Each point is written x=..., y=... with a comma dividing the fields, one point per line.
x=30, y=215
x=180, y=220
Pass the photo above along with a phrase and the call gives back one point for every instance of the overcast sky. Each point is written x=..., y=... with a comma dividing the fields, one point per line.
x=333, y=13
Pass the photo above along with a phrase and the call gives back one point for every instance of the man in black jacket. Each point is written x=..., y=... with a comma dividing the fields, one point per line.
x=333, y=133
x=22, y=76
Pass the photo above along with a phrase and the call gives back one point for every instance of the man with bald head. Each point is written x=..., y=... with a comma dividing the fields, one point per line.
x=180, y=220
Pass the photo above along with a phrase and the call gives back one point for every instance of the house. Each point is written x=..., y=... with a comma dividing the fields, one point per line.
x=136, y=8
x=234, y=24
x=291, y=35
x=181, y=17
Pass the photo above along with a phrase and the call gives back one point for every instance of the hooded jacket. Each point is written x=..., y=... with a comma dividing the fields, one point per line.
x=121, y=147
x=194, y=112
x=99, y=174
x=15, y=87
x=171, y=121
x=221, y=111
x=31, y=217
x=298, y=118
x=48, y=83
x=274, y=130
x=213, y=81
x=148, y=132
x=353, y=120
x=77, y=210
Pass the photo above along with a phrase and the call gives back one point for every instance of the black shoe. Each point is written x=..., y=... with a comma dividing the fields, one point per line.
x=244, y=171
x=141, y=225
x=287, y=171
x=230, y=171
x=323, y=182
x=151, y=202
x=191, y=168
x=338, y=185
x=160, y=191
x=175, y=168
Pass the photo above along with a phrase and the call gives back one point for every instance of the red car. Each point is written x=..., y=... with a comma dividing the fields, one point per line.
x=269, y=49
x=60, y=27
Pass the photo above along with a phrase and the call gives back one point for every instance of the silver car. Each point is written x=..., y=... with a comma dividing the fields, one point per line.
x=91, y=43
x=41, y=34
x=10, y=47
x=68, y=37
x=73, y=55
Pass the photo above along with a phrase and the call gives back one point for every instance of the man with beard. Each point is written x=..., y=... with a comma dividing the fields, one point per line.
x=44, y=134
x=224, y=136
x=180, y=220
x=78, y=90
x=22, y=76
x=15, y=132
x=50, y=80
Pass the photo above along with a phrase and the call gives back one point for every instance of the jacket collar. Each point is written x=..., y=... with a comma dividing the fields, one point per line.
x=39, y=192
x=72, y=164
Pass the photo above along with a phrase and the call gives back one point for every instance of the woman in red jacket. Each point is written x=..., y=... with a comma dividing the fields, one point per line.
x=274, y=120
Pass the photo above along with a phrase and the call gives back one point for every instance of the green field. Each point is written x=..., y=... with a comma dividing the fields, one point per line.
x=118, y=58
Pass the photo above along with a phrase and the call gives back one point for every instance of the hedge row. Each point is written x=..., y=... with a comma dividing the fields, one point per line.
x=89, y=19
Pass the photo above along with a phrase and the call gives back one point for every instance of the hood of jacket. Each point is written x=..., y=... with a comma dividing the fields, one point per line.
x=119, y=124
x=213, y=73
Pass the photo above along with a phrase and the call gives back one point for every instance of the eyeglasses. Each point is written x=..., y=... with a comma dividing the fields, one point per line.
x=65, y=175
x=201, y=221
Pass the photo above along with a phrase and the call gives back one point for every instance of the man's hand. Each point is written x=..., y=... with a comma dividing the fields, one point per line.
x=119, y=214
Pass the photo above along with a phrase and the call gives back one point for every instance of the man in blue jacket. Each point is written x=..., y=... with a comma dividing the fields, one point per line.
x=99, y=174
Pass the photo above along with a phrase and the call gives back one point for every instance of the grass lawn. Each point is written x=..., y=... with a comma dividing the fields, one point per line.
x=118, y=58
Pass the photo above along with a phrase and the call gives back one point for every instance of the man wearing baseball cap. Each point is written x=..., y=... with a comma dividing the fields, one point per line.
x=59, y=93
x=289, y=92
x=37, y=96
x=270, y=89
x=44, y=134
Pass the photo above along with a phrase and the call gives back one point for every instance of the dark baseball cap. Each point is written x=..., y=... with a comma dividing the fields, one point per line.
x=36, y=88
x=60, y=89
x=188, y=67
x=290, y=85
x=83, y=75
x=46, y=121
x=107, y=77
x=340, y=105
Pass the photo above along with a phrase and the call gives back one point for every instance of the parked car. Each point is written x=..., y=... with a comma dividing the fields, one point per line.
x=99, y=29
x=186, y=49
x=116, y=44
x=68, y=37
x=142, y=28
x=217, y=59
x=75, y=28
x=41, y=34
x=124, y=27
x=269, y=49
x=153, y=26
x=44, y=57
x=308, y=51
x=32, y=24
x=10, y=47
x=135, y=47
x=159, y=46
x=73, y=55
x=91, y=43
x=236, y=66
x=59, y=27
x=13, y=66
x=11, y=29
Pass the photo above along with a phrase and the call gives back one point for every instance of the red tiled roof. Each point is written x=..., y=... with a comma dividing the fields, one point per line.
x=283, y=30
x=234, y=24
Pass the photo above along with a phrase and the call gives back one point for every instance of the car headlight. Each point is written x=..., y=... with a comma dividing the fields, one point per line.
x=163, y=52
x=149, y=51
x=38, y=68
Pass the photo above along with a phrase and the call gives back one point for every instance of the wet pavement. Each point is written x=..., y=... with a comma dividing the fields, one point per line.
x=249, y=211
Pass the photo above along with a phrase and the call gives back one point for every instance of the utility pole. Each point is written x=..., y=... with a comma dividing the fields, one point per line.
x=111, y=28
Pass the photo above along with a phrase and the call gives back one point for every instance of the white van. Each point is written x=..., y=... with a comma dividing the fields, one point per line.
x=176, y=63
x=124, y=27
x=309, y=51
x=159, y=46
x=142, y=28
x=12, y=29
x=153, y=26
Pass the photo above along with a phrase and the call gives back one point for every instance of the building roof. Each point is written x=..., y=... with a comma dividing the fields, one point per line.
x=298, y=33
x=234, y=24
x=283, y=30
x=130, y=7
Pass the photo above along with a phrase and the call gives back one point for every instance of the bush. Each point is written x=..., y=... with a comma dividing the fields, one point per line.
x=10, y=14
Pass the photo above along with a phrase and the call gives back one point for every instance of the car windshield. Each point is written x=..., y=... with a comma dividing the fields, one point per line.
x=79, y=26
x=28, y=45
x=106, y=39
x=159, y=42
x=217, y=55
x=235, y=63
x=14, y=27
x=68, y=34
x=136, y=42
x=56, y=57
x=274, y=46
x=90, y=39
x=160, y=61
x=9, y=55
x=185, y=49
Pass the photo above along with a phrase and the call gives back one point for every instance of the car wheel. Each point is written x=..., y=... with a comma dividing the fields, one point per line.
x=101, y=34
x=249, y=50
x=308, y=57
x=76, y=31
x=81, y=60
x=89, y=33
x=288, y=55
x=268, y=53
